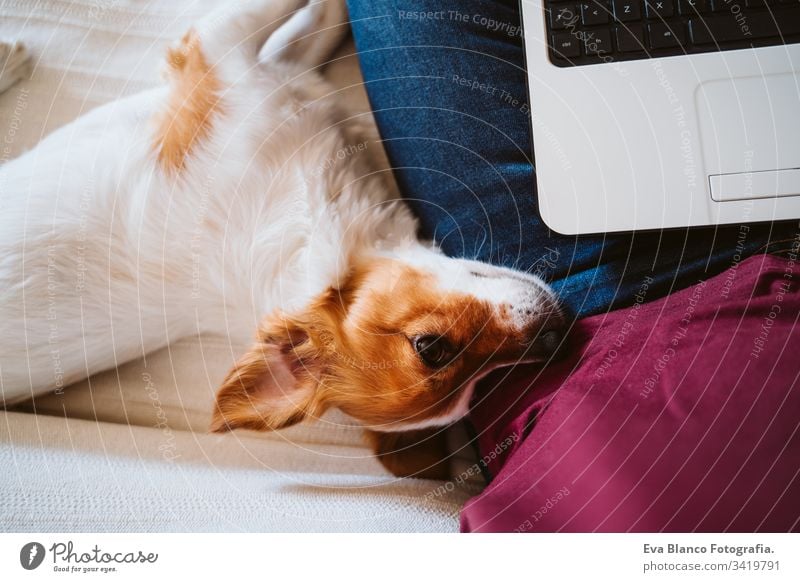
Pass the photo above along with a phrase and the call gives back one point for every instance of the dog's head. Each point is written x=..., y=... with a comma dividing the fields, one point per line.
x=399, y=346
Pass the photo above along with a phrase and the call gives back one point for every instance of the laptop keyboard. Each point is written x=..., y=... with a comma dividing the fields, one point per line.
x=597, y=31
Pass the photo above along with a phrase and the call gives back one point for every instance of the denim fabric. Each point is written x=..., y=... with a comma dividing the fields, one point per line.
x=450, y=98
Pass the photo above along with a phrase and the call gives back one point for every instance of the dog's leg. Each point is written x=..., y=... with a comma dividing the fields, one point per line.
x=218, y=53
x=235, y=33
x=420, y=453
x=311, y=36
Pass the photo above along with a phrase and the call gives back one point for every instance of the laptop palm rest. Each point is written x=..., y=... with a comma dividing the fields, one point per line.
x=750, y=135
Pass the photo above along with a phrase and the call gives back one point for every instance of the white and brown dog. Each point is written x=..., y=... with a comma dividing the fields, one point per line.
x=211, y=205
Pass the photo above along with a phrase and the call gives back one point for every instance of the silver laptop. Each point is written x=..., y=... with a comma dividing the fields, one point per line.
x=652, y=114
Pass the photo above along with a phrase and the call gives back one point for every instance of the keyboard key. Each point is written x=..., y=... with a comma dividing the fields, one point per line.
x=657, y=9
x=666, y=34
x=630, y=38
x=597, y=43
x=692, y=7
x=589, y=31
x=566, y=45
x=563, y=16
x=724, y=28
x=594, y=12
x=627, y=10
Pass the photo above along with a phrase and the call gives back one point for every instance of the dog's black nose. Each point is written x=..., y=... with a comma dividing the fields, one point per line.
x=549, y=343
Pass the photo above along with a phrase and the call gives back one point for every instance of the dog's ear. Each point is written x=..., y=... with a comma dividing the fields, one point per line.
x=274, y=384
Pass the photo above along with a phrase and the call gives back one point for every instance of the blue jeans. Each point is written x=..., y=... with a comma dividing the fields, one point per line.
x=462, y=157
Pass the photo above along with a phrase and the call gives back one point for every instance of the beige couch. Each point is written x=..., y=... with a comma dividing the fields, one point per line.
x=127, y=450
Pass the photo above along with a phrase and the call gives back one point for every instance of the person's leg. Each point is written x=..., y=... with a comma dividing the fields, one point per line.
x=447, y=84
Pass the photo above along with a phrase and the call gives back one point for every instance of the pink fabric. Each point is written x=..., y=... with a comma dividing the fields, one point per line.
x=678, y=415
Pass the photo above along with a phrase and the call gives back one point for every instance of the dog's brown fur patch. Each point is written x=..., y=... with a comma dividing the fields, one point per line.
x=350, y=349
x=193, y=101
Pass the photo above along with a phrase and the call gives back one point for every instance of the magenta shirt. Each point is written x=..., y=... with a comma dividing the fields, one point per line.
x=678, y=415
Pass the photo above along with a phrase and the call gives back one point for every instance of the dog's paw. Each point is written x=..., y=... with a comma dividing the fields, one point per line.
x=422, y=454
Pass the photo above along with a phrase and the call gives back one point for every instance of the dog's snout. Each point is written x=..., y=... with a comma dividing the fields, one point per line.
x=548, y=342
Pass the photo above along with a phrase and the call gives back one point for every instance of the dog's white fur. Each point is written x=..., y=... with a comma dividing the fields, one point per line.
x=105, y=257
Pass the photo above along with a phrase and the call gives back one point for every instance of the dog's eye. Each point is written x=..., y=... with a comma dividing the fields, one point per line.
x=433, y=350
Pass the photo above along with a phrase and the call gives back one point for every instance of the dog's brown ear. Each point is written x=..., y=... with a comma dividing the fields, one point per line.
x=273, y=385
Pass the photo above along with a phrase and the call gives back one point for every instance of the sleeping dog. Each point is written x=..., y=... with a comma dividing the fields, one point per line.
x=242, y=195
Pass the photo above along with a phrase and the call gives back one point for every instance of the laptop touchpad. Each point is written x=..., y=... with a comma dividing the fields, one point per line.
x=749, y=129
